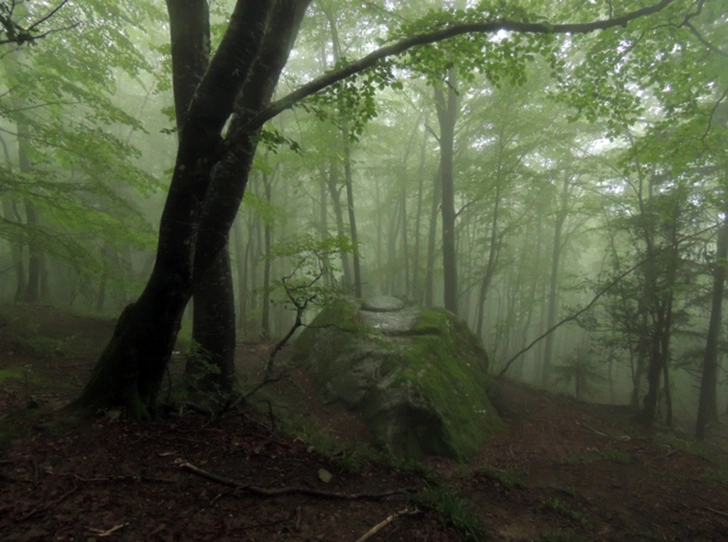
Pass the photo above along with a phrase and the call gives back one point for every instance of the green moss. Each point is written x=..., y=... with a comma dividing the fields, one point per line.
x=340, y=315
x=440, y=359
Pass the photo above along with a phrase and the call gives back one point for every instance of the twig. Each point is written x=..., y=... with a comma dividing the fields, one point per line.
x=379, y=526
x=593, y=430
x=263, y=492
x=719, y=512
x=233, y=403
x=108, y=532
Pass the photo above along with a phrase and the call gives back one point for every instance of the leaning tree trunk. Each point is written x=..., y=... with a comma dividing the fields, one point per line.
x=200, y=207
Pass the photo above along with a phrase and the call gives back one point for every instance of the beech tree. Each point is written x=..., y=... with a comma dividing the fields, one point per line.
x=223, y=124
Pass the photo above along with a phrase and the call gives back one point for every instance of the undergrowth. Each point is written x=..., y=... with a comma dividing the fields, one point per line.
x=457, y=511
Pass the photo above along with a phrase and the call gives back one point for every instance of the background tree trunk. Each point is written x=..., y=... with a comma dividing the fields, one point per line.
x=447, y=109
x=708, y=401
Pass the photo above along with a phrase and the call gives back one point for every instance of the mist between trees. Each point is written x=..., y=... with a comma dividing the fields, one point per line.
x=508, y=161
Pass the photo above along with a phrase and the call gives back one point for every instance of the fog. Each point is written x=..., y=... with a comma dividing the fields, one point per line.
x=567, y=188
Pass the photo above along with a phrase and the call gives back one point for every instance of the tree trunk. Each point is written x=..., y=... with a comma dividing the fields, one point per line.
x=241, y=255
x=417, y=289
x=490, y=266
x=431, y=243
x=11, y=214
x=210, y=368
x=708, y=401
x=267, y=233
x=447, y=109
x=554, y=284
x=348, y=182
x=200, y=207
x=333, y=180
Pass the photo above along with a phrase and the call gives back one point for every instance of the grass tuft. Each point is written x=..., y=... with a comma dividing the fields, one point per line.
x=457, y=511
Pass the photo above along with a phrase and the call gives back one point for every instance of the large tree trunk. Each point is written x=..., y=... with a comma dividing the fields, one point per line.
x=200, y=207
x=447, y=109
x=210, y=366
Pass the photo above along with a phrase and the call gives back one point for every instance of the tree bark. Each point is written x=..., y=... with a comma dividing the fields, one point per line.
x=333, y=182
x=200, y=207
x=428, y=294
x=267, y=240
x=210, y=367
x=447, y=109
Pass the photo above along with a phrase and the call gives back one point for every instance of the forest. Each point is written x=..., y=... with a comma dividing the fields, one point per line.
x=197, y=175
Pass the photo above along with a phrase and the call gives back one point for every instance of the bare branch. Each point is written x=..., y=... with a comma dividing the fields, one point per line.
x=601, y=292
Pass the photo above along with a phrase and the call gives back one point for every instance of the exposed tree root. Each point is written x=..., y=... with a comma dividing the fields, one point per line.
x=263, y=492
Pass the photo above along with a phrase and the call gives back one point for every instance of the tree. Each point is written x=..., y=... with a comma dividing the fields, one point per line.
x=211, y=171
x=65, y=127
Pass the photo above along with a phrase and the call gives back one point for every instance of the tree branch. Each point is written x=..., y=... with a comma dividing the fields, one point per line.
x=603, y=291
x=404, y=45
x=277, y=492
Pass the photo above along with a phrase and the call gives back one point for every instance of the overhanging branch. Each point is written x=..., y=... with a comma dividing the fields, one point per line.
x=404, y=45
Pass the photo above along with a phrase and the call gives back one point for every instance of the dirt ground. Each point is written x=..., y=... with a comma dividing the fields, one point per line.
x=563, y=471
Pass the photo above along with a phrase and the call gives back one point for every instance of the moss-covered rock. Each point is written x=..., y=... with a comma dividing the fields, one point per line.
x=418, y=376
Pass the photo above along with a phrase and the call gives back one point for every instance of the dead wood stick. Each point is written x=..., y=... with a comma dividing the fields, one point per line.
x=264, y=492
x=719, y=512
x=379, y=526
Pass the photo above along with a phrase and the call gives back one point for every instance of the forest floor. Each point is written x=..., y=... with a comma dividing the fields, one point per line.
x=562, y=471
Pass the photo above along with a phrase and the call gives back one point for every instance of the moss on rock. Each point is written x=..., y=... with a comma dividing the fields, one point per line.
x=418, y=376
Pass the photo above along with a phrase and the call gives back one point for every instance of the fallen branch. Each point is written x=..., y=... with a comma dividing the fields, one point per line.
x=379, y=526
x=719, y=512
x=593, y=430
x=108, y=532
x=263, y=492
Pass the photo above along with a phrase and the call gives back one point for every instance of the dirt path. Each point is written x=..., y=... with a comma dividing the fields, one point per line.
x=564, y=471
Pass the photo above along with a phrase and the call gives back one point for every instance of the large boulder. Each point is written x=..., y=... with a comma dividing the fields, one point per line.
x=417, y=376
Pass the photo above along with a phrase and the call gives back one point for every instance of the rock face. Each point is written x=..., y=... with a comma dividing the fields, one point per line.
x=417, y=376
